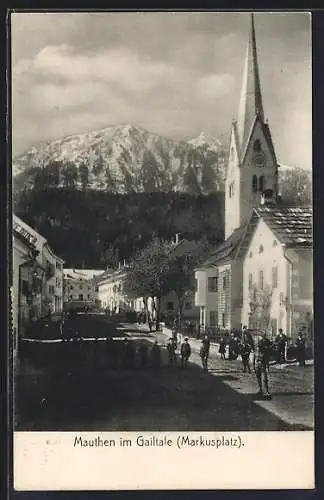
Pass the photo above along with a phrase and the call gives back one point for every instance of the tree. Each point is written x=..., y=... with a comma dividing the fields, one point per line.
x=70, y=174
x=295, y=186
x=181, y=270
x=84, y=176
x=148, y=274
x=98, y=165
x=260, y=307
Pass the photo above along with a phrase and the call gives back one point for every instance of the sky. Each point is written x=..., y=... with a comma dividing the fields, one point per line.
x=172, y=73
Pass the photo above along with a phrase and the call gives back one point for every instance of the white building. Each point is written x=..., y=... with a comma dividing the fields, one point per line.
x=251, y=183
x=277, y=269
x=52, y=291
x=80, y=287
x=111, y=293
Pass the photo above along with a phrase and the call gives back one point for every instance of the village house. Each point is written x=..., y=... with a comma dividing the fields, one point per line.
x=80, y=288
x=111, y=292
x=37, y=279
x=254, y=220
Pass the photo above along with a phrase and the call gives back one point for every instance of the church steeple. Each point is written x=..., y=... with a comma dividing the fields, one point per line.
x=252, y=166
x=251, y=99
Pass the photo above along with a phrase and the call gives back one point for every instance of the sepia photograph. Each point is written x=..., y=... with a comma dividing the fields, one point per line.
x=162, y=239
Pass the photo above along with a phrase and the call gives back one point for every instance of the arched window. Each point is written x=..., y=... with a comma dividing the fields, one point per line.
x=254, y=183
x=257, y=146
x=261, y=184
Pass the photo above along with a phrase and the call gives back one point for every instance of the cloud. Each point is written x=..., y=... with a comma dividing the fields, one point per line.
x=214, y=86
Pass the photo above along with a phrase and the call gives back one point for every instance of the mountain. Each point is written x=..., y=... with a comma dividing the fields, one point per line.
x=124, y=159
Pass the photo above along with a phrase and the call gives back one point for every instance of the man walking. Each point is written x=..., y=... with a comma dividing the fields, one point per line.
x=171, y=348
x=246, y=349
x=204, y=352
x=301, y=349
x=260, y=364
x=156, y=355
x=281, y=341
x=185, y=353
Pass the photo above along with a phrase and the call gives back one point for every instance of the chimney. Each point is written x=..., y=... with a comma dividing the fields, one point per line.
x=177, y=238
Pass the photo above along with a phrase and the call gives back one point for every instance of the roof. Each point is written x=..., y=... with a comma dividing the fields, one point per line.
x=82, y=274
x=185, y=247
x=31, y=234
x=293, y=226
x=226, y=251
x=28, y=242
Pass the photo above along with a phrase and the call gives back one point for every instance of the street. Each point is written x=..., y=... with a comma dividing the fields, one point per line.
x=104, y=396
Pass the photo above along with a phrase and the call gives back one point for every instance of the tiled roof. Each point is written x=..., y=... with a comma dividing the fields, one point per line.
x=291, y=225
x=225, y=251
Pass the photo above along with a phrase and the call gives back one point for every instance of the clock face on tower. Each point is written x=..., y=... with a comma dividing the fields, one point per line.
x=259, y=159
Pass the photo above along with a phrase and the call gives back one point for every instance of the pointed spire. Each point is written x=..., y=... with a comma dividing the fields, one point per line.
x=251, y=99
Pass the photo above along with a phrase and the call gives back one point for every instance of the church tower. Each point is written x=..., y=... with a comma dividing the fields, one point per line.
x=252, y=170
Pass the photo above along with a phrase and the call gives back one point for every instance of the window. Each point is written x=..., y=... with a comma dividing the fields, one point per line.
x=257, y=146
x=170, y=306
x=212, y=284
x=250, y=281
x=88, y=296
x=58, y=265
x=261, y=249
x=254, y=183
x=81, y=296
x=231, y=189
x=275, y=243
x=71, y=287
x=274, y=277
x=213, y=318
x=261, y=184
x=89, y=288
x=71, y=297
x=261, y=280
x=81, y=287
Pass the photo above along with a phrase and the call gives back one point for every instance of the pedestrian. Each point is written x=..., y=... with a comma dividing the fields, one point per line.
x=245, y=355
x=204, y=352
x=222, y=348
x=232, y=347
x=301, y=349
x=260, y=364
x=185, y=353
x=281, y=341
x=143, y=354
x=171, y=348
x=156, y=355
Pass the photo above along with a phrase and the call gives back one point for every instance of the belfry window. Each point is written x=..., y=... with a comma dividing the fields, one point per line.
x=257, y=146
x=261, y=184
x=254, y=183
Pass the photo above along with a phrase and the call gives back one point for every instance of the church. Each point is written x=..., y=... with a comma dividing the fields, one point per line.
x=262, y=275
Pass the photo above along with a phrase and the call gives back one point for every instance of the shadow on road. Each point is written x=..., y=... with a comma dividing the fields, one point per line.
x=100, y=385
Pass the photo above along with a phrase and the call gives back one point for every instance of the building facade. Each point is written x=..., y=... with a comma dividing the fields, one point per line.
x=81, y=288
x=52, y=266
x=111, y=293
x=277, y=271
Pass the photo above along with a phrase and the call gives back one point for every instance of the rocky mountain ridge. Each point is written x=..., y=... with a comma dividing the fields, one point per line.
x=126, y=159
